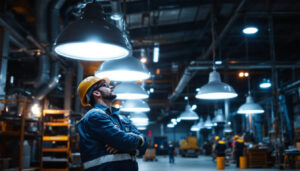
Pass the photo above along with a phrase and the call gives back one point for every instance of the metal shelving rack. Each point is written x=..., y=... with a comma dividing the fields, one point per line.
x=58, y=154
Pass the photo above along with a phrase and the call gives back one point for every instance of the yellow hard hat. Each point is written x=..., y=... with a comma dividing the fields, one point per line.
x=86, y=84
x=235, y=137
x=217, y=138
x=222, y=142
x=240, y=140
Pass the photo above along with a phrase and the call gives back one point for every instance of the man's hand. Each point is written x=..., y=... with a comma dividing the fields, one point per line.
x=111, y=149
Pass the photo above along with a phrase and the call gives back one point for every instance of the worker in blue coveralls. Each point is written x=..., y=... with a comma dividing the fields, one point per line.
x=105, y=145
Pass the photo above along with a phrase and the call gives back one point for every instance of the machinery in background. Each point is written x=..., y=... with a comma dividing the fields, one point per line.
x=189, y=147
x=161, y=145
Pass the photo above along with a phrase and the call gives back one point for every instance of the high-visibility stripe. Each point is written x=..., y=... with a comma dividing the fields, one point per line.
x=107, y=158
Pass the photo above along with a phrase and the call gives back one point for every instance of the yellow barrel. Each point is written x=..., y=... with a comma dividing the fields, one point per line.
x=220, y=163
x=243, y=162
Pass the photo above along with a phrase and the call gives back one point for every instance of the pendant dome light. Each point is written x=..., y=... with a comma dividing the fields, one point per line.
x=139, y=119
x=227, y=128
x=92, y=38
x=189, y=114
x=130, y=90
x=208, y=123
x=215, y=89
x=126, y=69
x=135, y=106
x=195, y=127
x=250, y=107
x=219, y=118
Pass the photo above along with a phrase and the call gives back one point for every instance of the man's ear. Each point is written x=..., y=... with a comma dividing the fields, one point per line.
x=96, y=93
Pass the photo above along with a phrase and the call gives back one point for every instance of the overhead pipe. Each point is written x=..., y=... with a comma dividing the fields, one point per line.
x=55, y=19
x=53, y=80
x=51, y=84
x=245, y=67
x=188, y=73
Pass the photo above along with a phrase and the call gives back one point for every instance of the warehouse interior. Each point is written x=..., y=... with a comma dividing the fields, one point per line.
x=185, y=48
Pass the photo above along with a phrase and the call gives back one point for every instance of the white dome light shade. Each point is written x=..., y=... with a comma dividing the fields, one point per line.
x=188, y=114
x=139, y=119
x=141, y=128
x=250, y=30
x=227, y=128
x=125, y=69
x=215, y=89
x=250, y=107
x=266, y=83
x=170, y=125
x=130, y=90
x=91, y=51
x=195, y=127
x=135, y=106
x=219, y=116
x=208, y=123
x=92, y=38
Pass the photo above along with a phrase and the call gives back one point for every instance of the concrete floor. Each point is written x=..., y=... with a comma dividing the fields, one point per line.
x=188, y=164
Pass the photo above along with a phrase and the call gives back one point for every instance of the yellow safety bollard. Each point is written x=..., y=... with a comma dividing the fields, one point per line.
x=220, y=163
x=243, y=162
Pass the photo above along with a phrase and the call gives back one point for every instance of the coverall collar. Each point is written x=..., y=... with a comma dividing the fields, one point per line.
x=106, y=109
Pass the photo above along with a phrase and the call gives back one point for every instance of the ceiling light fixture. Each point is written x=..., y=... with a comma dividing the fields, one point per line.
x=208, y=123
x=135, y=106
x=266, y=83
x=250, y=30
x=156, y=53
x=189, y=114
x=250, y=107
x=139, y=119
x=92, y=38
x=215, y=89
x=130, y=90
x=126, y=69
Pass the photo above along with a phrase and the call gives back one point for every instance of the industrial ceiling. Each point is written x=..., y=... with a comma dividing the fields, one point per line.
x=183, y=29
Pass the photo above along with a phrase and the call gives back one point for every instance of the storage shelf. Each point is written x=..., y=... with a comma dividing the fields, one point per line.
x=55, y=150
x=52, y=159
x=55, y=112
x=57, y=124
x=55, y=138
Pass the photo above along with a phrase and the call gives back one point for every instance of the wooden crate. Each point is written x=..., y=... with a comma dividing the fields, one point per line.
x=256, y=158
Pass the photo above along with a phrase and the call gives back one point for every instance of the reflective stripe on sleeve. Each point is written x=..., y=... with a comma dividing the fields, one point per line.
x=107, y=158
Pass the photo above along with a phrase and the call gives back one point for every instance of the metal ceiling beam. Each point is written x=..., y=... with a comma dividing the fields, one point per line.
x=165, y=29
x=188, y=73
x=140, y=6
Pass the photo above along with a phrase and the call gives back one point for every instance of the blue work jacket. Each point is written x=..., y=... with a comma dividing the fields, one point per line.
x=100, y=127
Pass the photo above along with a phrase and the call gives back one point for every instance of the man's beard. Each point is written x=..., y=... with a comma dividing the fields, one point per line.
x=108, y=96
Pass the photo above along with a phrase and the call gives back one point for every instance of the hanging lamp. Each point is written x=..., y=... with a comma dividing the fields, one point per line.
x=92, y=38
x=208, y=123
x=126, y=69
x=250, y=107
x=135, y=106
x=130, y=90
x=139, y=119
x=219, y=118
x=215, y=89
x=188, y=114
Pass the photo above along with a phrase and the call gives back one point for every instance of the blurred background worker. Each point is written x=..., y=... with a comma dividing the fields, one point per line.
x=239, y=150
x=221, y=148
x=171, y=152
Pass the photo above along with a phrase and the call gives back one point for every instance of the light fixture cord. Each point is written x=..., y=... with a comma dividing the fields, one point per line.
x=213, y=35
x=247, y=58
